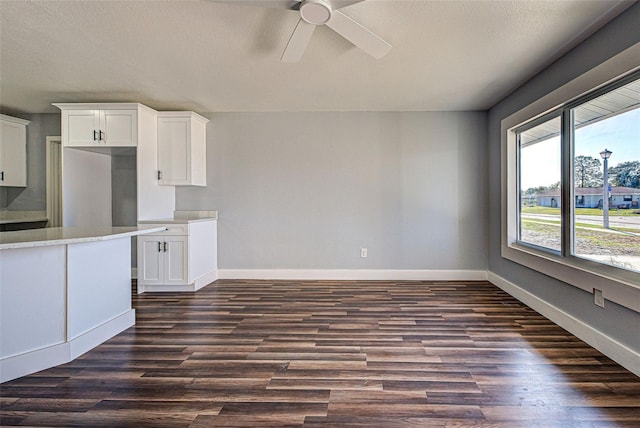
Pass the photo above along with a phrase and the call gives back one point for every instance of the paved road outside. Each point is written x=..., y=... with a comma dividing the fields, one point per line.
x=614, y=221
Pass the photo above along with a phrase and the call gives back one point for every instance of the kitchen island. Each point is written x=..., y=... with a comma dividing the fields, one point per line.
x=63, y=291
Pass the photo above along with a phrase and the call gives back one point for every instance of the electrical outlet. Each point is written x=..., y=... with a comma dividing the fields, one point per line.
x=363, y=253
x=598, y=298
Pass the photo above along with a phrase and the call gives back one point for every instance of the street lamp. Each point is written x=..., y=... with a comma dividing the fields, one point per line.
x=605, y=154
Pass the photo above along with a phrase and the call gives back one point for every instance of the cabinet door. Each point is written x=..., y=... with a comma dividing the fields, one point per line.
x=13, y=154
x=173, y=150
x=176, y=260
x=151, y=259
x=80, y=128
x=119, y=127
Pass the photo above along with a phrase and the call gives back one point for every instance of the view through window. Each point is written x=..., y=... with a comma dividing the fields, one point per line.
x=607, y=178
x=540, y=176
x=605, y=190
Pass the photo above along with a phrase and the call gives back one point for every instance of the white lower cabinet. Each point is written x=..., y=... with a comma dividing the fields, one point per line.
x=164, y=260
x=182, y=258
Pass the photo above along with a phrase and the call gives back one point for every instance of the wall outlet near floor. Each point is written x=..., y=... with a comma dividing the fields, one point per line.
x=598, y=298
x=363, y=253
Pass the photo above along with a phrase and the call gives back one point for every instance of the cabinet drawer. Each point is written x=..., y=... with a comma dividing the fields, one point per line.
x=172, y=229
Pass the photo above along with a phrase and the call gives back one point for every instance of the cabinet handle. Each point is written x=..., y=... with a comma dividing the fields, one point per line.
x=165, y=247
x=2, y=176
x=159, y=246
x=100, y=135
x=159, y=175
x=94, y=135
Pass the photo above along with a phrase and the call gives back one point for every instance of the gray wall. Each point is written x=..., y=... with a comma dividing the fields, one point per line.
x=308, y=190
x=124, y=207
x=34, y=196
x=615, y=321
x=124, y=210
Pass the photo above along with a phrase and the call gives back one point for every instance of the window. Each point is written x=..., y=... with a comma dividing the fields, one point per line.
x=599, y=135
x=605, y=131
x=595, y=127
x=571, y=182
x=540, y=175
x=618, y=280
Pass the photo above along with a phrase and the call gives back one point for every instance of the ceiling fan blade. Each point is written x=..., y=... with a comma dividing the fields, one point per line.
x=339, y=4
x=275, y=4
x=360, y=36
x=298, y=41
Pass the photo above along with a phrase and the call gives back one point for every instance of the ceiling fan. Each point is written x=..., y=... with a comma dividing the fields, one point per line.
x=314, y=13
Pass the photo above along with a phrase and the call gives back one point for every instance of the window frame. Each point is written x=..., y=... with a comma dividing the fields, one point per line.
x=618, y=285
x=518, y=130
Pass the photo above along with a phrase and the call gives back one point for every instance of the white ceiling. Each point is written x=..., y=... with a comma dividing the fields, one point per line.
x=210, y=57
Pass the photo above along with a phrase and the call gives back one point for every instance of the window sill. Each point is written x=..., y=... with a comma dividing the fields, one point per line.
x=618, y=285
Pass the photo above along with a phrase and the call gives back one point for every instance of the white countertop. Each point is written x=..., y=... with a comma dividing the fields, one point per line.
x=184, y=220
x=68, y=235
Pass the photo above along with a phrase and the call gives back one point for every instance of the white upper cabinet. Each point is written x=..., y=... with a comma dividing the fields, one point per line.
x=13, y=151
x=95, y=125
x=182, y=153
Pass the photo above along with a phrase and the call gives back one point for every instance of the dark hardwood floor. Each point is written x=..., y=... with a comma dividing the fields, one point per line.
x=330, y=353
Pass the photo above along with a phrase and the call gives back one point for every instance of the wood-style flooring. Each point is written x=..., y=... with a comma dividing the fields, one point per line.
x=331, y=353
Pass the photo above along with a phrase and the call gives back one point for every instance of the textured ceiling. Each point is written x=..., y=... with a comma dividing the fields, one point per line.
x=209, y=57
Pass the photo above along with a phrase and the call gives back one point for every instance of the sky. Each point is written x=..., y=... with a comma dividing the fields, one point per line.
x=540, y=164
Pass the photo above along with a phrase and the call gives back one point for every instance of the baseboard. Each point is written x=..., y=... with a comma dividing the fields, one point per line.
x=162, y=288
x=196, y=285
x=40, y=359
x=206, y=279
x=134, y=273
x=97, y=335
x=354, y=274
x=33, y=361
x=618, y=352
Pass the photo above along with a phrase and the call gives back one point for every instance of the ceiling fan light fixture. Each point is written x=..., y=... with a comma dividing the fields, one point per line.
x=316, y=12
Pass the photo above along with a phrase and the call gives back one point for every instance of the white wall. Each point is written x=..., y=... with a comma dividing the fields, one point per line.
x=308, y=190
x=86, y=188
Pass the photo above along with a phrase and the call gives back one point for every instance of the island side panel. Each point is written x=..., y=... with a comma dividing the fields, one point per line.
x=99, y=292
x=32, y=309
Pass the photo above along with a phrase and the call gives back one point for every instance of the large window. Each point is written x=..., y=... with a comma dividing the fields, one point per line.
x=578, y=178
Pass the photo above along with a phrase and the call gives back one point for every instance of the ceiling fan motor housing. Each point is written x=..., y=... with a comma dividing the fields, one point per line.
x=316, y=12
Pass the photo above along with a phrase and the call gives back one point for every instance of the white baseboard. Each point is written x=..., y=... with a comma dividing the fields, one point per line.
x=618, y=352
x=134, y=273
x=97, y=335
x=354, y=274
x=40, y=359
x=162, y=288
x=196, y=285
x=206, y=279
x=33, y=361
